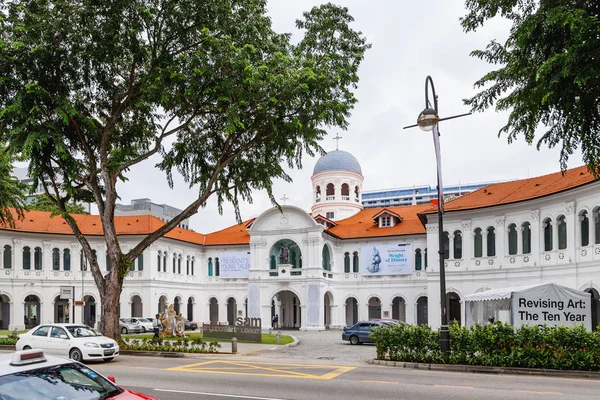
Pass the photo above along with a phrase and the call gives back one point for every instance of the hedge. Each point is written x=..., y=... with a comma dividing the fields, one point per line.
x=185, y=345
x=499, y=345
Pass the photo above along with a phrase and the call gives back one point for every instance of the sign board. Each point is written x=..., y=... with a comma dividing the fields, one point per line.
x=234, y=264
x=247, y=329
x=552, y=305
x=66, y=292
x=387, y=259
x=80, y=303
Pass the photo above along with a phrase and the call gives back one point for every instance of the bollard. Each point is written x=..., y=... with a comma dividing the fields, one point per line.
x=14, y=332
x=234, y=345
x=270, y=331
x=278, y=336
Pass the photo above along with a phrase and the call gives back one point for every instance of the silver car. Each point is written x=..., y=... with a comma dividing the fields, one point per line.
x=145, y=323
x=128, y=325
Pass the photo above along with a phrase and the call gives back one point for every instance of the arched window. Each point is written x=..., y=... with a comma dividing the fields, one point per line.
x=132, y=267
x=67, y=259
x=584, y=225
x=491, y=241
x=193, y=261
x=356, y=192
x=345, y=190
x=272, y=262
x=7, y=256
x=174, y=263
x=446, y=246
x=159, y=256
x=346, y=262
x=179, y=264
x=457, y=245
x=318, y=192
x=330, y=190
x=210, y=267
x=217, y=267
x=526, y=237
x=164, y=262
x=426, y=261
x=512, y=239
x=26, y=258
x=55, y=259
x=477, y=243
x=140, y=262
x=326, y=264
x=597, y=225
x=187, y=266
x=355, y=266
x=417, y=259
x=37, y=258
x=562, y=232
x=547, y=234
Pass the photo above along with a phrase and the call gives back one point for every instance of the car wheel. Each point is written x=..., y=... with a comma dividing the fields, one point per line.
x=354, y=340
x=143, y=330
x=76, y=355
x=124, y=331
x=108, y=359
x=26, y=347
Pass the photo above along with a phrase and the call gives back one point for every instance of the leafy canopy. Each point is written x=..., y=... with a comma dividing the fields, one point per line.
x=44, y=203
x=12, y=191
x=549, y=72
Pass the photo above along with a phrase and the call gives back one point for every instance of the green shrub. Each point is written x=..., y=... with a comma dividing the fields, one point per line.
x=195, y=345
x=496, y=344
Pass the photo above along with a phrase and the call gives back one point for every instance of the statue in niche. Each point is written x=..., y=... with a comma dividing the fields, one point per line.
x=284, y=256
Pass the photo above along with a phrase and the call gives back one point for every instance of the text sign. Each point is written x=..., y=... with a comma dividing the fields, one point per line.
x=551, y=306
x=387, y=259
x=66, y=292
x=234, y=264
x=247, y=329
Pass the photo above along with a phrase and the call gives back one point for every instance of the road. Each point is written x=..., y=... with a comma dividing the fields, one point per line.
x=250, y=378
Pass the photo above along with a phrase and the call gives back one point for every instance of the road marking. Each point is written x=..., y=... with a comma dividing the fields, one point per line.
x=388, y=382
x=303, y=371
x=539, y=392
x=218, y=394
x=453, y=387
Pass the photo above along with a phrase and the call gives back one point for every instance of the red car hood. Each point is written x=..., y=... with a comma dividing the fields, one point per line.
x=131, y=395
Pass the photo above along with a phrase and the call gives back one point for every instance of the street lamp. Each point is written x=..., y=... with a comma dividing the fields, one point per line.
x=428, y=121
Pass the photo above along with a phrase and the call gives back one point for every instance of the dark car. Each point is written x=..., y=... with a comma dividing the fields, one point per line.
x=359, y=332
x=190, y=325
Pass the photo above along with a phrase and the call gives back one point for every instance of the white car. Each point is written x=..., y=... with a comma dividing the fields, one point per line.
x=145, y=323
x=76, y=341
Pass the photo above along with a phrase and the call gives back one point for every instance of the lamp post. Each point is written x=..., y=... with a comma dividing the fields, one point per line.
x=428, y=121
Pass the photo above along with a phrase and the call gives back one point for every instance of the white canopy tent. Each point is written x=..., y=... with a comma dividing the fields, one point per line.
x=546, y=303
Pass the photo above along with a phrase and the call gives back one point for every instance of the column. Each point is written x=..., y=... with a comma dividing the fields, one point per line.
x=467, y=241
x=555, y=235
x=484, y=247
x=46, y=257
x=535, y=236
x=571, y=223
x=520, y=239
x=450, y=246
x=222, y=311
x=500, y=239
x=17, y=255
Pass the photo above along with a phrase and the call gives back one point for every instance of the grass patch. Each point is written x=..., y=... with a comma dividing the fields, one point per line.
x=266, y=338
x=8, y=333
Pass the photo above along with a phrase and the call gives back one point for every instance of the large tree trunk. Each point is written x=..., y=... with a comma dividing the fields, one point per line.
x=110, y=300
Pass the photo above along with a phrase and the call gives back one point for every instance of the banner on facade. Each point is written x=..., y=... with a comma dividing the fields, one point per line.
x=234, y=264
x=66, y=292
x=387, y=259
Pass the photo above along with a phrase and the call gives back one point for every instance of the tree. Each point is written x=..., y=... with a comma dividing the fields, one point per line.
x=88, y=89
x=549, y=72
x=44, y=203
x=12, y=191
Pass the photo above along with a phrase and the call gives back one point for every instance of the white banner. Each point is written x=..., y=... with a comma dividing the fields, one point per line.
x=387, y=259
x=234, y=264
x=552, y=305
x=66, y=292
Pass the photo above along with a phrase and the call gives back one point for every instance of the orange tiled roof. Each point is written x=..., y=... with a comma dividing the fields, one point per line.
x=517, y=191
x=362, y=225
x=40, y=222
x=236, y=234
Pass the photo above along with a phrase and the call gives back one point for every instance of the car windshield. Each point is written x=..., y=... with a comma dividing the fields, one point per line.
x=143, y=320
x=82, y=331
x=69, y=381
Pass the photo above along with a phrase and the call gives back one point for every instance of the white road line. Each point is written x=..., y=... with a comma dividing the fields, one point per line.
x=218, y=394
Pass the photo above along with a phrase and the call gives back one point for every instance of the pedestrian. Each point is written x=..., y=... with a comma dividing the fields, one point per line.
x=273, y=322
x=276, y=321
x=156, y=324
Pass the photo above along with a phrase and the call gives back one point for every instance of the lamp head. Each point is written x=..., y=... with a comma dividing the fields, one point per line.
x=428, y=119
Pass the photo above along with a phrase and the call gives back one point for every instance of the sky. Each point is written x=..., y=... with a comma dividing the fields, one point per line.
x=410, y=40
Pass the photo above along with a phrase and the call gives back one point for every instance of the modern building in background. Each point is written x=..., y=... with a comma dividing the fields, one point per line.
x=163, y=212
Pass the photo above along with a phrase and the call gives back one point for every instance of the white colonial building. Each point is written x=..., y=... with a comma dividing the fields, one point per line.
x=325, y=269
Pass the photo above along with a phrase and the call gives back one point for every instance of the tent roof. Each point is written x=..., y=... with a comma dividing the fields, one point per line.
x=506, y=293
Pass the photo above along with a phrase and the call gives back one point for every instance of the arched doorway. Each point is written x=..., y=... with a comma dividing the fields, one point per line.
x=374, y=308
x=190, y=309
x=453, y=308
x=399, y=309
x=327, y=303
x=136, y=307
x=213, y=311
x=177, y=305
x=5, y=312
x=422, y=310
x=89, y=311
x=595, y=306
x=161, y=304
x=351, y=311
x=287, y=307
x=231, y=311
x=32, y=311
x=61, y=310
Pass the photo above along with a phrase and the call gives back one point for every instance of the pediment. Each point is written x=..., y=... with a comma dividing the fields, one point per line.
x=288, y=218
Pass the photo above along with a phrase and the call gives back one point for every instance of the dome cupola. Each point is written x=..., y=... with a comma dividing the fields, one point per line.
x=337, y=160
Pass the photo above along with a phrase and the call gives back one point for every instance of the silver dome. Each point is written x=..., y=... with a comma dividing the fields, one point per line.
x=337, y=160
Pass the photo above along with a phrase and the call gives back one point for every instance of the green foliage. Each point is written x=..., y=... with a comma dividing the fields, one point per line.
x=183, y=345
x=498, y=345
x=44, y=203
x=549, y=72
x=12, y=191
x=8, y=341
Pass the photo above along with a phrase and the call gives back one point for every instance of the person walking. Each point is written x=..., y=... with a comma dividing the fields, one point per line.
x=156, y=324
